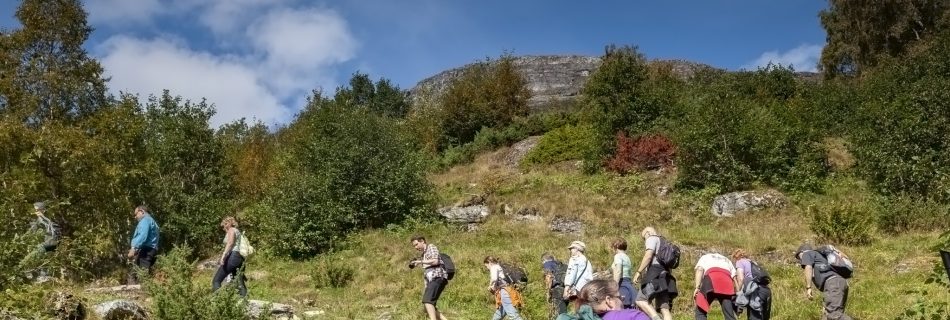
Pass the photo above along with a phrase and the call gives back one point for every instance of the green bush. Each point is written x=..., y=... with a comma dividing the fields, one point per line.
x=570, y=142
x=902, y=125
x=737, y=140
x=487, y=94
x=330, y=274
x=846, y=223
x=901, y=214
x=489, y=139
x=341, y=169
x=175, y=295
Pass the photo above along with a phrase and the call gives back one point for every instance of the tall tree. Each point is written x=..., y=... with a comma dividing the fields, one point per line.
x=860, y=33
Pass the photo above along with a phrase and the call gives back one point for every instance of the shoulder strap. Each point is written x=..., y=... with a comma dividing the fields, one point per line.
x=581, y=274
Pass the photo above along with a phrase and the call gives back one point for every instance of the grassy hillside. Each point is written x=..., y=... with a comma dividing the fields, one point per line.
x=888, y=270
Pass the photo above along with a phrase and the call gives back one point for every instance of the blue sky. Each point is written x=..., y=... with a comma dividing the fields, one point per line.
x=259, y=59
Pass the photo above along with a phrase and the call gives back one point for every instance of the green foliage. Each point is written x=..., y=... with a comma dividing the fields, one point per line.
x=32, y=302
x=846, y=223
x=487, y=94
x=903, y=214
x=189, y=185
x=249, y=151
x=175, y=295
x=570, y=142
x=332, y=274
x=491, y=138
x=861, y=35
x=903, y=122
x=740, y=130
x=341, y=169
x=382, y=97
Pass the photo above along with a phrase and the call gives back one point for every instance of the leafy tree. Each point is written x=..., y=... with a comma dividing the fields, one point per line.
x=381, y=97
x=860, y=33
x=189, y=186
x=340, y=169
x=487, y=94
x=250, y=151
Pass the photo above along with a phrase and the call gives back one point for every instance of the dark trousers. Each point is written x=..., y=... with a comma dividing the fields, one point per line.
x=233, y=265
x=558, y=305
x=728, y=309
x=836, y=299
x=765, y=294
x=144, y=260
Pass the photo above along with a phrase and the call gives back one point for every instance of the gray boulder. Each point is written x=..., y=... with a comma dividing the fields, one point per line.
x=568, y=226
x=257, y=309
x=730, y=204
x=469, y=214
x=520, y=149
x=120, y=310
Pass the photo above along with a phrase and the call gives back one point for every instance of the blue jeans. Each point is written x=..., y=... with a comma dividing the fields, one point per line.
x=232, y=266
x=506, y=308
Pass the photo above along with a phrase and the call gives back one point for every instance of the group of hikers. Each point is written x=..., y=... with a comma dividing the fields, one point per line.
x=645, y=291
x=143, y=247
x=738, y=284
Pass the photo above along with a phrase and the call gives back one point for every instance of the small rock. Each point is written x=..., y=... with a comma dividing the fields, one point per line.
x=255, y=309
x=120, y=310
x=662, y=191
x=728, y=205
x=470, y=214
x=902, y=268
x=565, y=225
x=508, y=210
x=313, y=313
x=472, y=227
x=385, y=316
x=116, y=289
x=529, y=214
x=209, y=264
x=67, y=307
x=309, y=302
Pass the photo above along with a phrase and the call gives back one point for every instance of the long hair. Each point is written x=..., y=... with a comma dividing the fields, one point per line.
x=229, y=221
x=595, y=292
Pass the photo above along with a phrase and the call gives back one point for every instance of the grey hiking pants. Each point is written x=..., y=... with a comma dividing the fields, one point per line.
x=836, y=298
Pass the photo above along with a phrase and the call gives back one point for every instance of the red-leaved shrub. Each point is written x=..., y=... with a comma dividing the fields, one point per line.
x=647, y=152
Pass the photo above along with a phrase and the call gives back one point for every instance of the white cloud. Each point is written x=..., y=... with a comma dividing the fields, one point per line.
x=149, y=66
x=119, y=12
x=802, y=58
x=284, y=53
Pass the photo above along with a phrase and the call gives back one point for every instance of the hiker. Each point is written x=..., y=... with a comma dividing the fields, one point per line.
x=433, y=273
x=714, y=281
x=507, y=298
x=818, y=271
x=231, y=262
x=50, y=238
x=554, y=272
x=657, y=284
x=144, y=241
x=621, y=268
x=601, y=299
x=754, y=294
x=579, y=271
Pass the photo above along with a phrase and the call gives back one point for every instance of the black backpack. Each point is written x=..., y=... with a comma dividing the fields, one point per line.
x=560, y=269
x=515, y=275
x=759, y=275
x=668, y=254
x=448, y=265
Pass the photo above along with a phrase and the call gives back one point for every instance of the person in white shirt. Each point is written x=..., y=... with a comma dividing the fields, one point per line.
x=715, y=281
x=579, y=271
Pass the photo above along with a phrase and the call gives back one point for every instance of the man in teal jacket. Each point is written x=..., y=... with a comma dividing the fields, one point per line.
x=145, y=240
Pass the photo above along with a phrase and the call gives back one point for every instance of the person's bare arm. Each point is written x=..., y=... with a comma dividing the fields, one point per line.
x=739, y=278
x=644, y=264
x=228, y=245
x=697, y=279
x=809, y=273
x=615, y=270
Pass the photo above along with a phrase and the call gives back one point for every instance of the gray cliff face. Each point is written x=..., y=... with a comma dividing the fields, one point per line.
x=552, y=78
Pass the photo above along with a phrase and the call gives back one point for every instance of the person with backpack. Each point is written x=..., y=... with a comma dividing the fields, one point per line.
x=754, y=294
x=579, y=271
x=500, y=284
x=50, y=237
x=601, y=299
x=231, y=261
x=144, y=241
x=714, y=281
x=434, y=275
x=818, y=271
x=554, y=272
x=657, y=283
x=620, y=269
